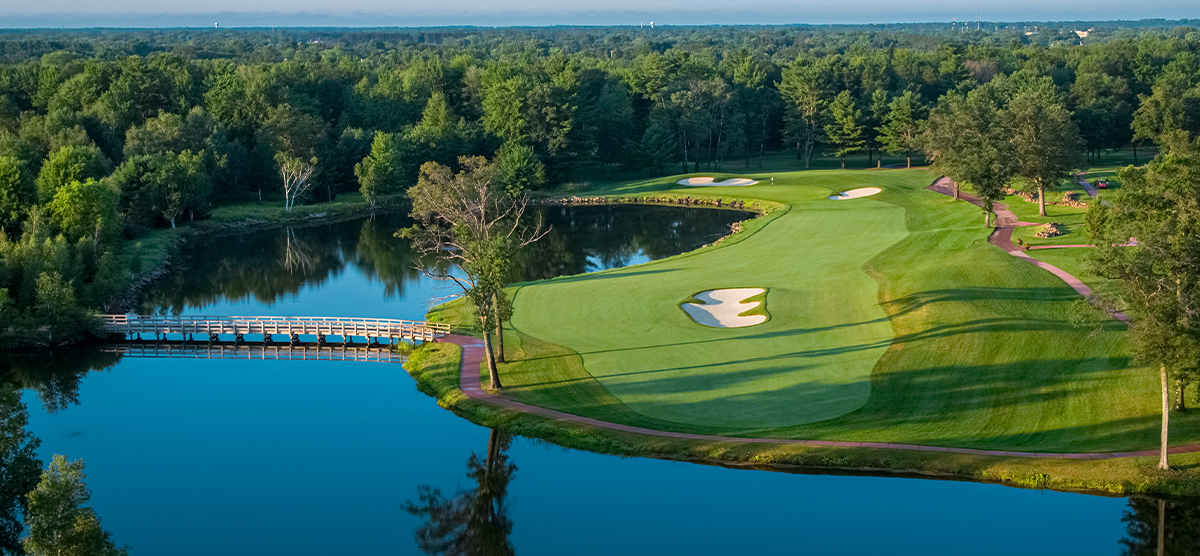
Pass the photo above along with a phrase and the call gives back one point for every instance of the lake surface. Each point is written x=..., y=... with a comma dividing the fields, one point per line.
x=219, y=456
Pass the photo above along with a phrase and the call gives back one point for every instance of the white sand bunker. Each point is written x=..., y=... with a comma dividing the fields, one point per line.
x=855, y=193
x=722, y=307
x=708, y=182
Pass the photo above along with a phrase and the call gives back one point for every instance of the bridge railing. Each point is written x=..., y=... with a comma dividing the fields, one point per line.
x=320, y=326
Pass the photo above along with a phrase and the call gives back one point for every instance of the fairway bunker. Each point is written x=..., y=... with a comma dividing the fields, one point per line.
x=855, y=193
x=708, y=182
x=722, y=308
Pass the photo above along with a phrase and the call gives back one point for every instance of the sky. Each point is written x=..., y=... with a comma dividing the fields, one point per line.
x=372, y=13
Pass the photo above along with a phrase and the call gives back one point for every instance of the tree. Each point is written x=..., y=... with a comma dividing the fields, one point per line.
x=68, y=164
x=845, y=132
x=60, y=521
x=805, y=92
x=901, y=131
x=87, y=210
x=466, y=220
x=17, y=193
x=380, y=172
x=966, y=142
x=519, y=169
x=19, y=464
x=1045, y=142
x=1158, y=277
x=295, y=173
x=876, y=113
x=473, y=522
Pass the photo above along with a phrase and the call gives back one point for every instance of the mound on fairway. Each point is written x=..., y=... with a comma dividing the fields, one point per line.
x=708, y=182
x=855, y=193
x=723, y=308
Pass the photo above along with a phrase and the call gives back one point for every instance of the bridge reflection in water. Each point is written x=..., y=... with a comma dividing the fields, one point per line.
x=228, y=350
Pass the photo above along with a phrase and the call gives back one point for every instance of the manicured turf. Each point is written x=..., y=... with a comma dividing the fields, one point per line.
x=893, y=320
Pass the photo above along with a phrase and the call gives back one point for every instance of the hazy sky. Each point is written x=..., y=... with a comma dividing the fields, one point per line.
x=16, y=13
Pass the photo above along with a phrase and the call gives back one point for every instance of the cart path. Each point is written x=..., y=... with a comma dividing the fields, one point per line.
x=1001, y=237
x=471, y=385
x=473, y=353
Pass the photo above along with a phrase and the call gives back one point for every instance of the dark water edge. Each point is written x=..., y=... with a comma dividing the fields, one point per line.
x=197, y=456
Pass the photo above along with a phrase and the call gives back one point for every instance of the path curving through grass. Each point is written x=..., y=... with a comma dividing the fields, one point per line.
x=470, y=384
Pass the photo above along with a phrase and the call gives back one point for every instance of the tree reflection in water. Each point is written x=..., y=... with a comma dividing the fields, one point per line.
x=272, y=264
x=55, y=374
x=472, y=522
x=1162, y=527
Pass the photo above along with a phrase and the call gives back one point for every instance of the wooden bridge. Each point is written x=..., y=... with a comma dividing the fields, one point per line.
x=210, y=329
x=227, y=350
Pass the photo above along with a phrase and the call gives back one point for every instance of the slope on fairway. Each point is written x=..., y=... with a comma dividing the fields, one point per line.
x=812, y=361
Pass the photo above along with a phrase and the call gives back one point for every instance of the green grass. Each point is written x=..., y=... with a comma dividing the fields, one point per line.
x=1071, y=260
x=1071, y=218
x=892, y=320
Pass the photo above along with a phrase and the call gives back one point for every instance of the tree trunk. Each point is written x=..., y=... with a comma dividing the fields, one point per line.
x=843, y=162
x=499, y=329
x=1166, y=414
x=1180, y=403
x=987, y=218
x=1135, y=163
x=493, y=374
x=1041, y=200
x=908, y=161
x=172, y=223
x=955, y=191
x=1162, y=527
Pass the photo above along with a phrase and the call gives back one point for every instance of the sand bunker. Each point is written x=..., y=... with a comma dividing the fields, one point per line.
x=708, y=182
x=855, y=193
x=721, y=308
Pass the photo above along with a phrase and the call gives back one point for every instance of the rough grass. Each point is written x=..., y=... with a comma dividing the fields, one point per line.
x=436, y=369
x=981, y=352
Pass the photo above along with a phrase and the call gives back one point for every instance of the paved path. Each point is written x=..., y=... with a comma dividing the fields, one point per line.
x=472, y=357
x=1006, y=221
x=1091, y=191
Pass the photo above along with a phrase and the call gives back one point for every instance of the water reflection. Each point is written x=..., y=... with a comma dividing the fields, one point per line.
x=269, y=266
x=55, y=374
x=1158, y=527
x=473, y=522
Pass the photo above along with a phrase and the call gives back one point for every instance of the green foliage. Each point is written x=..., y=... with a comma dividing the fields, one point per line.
x=68, y=164
x=1045, y=142
x=59, y=519
x=902, y=127
x=87, y=210
x=518, y=169
x=966, y=139
x=19, y=464
x=17, y=193
x=845, y=131
x=380, y=172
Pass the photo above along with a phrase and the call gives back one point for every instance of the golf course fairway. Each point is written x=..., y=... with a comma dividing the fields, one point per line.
x=890, y=319
x=810, y=362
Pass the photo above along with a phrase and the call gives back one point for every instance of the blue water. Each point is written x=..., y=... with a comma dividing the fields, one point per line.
x=201, y=457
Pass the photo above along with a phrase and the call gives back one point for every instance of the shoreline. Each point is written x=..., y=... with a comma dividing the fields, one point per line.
x=1115, y=474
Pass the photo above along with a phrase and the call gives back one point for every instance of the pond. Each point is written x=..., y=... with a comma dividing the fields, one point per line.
x=235, y=456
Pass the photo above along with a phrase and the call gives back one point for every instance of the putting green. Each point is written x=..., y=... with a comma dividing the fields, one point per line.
x=810, y=362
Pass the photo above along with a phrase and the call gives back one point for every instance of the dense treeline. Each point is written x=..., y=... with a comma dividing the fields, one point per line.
x=105, y=136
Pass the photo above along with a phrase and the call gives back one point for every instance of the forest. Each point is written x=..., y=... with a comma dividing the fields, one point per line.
x=108, y=135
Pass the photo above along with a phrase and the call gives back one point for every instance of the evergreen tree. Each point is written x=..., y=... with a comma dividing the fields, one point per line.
x=845, y=131
x=901, y=131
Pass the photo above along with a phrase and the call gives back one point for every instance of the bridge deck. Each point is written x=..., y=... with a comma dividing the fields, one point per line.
x=344, y=327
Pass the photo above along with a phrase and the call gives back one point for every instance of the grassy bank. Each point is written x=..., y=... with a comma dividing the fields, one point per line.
x=436, y=370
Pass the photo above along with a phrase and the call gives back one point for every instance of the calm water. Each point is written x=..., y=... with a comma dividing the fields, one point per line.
x=199, y=457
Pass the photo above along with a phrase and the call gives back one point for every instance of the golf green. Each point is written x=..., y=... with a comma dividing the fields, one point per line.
x=810, y=362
